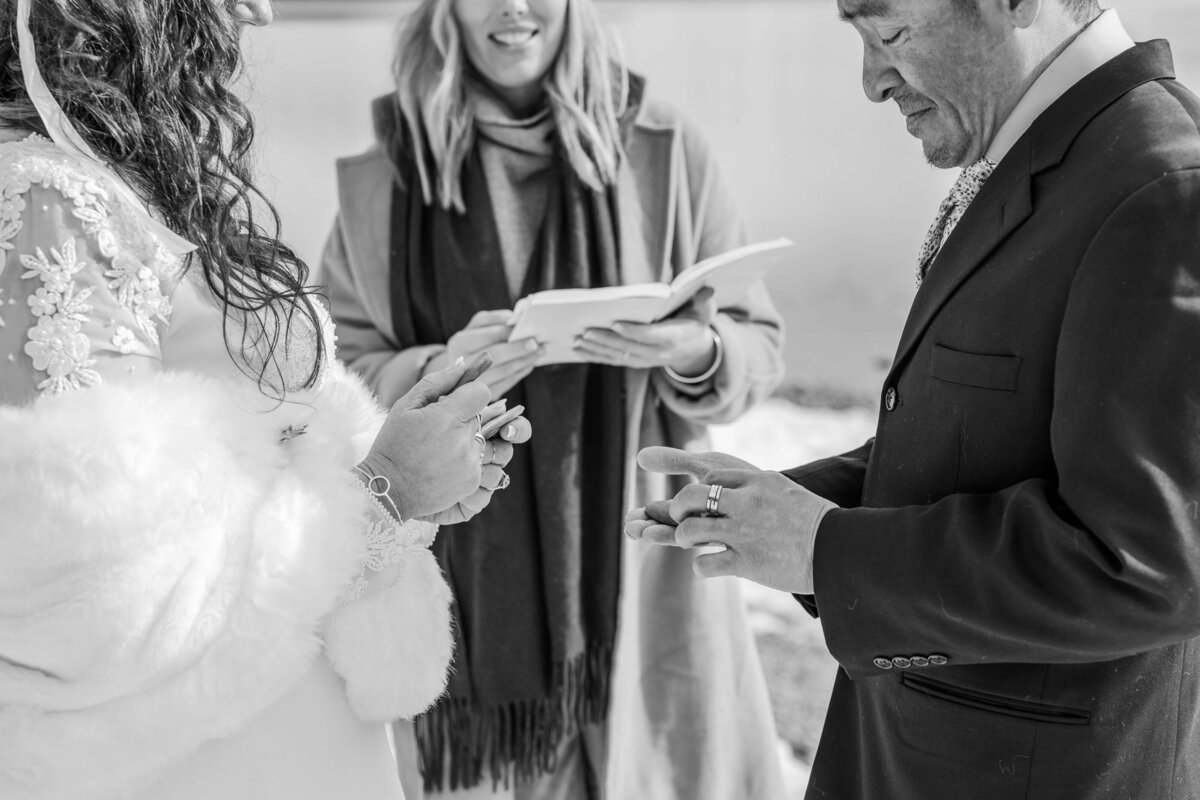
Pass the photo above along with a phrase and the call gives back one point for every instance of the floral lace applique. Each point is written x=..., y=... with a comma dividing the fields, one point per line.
x=11, y=209
x=56, y=338
x=138, y=289
x=124, y=340
x=388, y=543
x=56, y=343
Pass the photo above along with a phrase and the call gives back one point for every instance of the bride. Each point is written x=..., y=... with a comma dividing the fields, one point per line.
x=214, y=575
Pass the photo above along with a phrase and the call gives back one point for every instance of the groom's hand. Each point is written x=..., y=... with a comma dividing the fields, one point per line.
x=654, y=522
x=766, y=523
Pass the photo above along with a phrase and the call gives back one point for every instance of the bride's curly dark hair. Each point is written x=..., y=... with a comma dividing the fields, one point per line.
x=147, y=84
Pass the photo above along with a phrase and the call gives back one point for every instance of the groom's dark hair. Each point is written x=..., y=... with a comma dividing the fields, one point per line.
x=1082, y=10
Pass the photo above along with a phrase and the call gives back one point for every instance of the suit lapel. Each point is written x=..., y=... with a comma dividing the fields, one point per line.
x=1006, y=200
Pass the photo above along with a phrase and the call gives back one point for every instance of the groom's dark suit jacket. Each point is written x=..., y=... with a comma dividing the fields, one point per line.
x=1013, y=586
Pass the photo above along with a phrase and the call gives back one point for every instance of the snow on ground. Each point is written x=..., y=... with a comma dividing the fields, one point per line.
x=776, y=435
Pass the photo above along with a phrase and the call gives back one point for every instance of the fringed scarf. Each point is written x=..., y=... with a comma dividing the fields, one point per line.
x=535, y=576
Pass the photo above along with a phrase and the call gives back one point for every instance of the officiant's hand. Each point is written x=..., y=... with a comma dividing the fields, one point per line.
x=488, y=331
x=685, y=341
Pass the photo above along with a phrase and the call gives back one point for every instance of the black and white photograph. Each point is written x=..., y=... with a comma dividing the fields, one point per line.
x=599, y=400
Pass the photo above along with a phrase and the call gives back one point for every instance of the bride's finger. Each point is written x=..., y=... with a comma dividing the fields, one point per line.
x=501, y=452
x=476, y=501
x=518, y=431
x=492, y=478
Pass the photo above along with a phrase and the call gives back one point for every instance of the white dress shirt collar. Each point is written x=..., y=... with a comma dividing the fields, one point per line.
x=1103, y=40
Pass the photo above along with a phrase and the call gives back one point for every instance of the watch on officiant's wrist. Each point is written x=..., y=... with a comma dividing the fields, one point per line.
x=718, y=357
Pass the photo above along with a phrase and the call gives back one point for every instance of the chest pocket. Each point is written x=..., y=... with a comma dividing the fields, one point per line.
x=981, y=371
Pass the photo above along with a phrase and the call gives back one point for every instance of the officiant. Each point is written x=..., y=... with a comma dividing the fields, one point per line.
x=515, y=155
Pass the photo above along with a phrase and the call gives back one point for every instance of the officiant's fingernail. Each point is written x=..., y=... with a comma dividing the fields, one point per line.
x=458, y=362
x=531, y=345
x=509, y=432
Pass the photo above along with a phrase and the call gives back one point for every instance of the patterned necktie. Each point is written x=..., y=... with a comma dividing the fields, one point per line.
x=950, y=212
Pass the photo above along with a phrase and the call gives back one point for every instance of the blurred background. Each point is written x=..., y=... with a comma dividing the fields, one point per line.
x=775, y=86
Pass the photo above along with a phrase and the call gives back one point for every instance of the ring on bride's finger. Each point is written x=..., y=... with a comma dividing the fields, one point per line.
x=478, y=422
x=482, y=445
x=713, y=503
x=504, y=482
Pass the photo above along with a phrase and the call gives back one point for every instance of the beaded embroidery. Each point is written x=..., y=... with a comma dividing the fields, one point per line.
x=57, y=344
x=388, y=543
x=137, y=288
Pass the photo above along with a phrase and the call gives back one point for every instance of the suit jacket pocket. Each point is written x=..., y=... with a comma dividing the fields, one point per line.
x=997, y=704
x=982, y=371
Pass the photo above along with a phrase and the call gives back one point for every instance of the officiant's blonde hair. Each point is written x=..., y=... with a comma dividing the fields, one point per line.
x=587, y=89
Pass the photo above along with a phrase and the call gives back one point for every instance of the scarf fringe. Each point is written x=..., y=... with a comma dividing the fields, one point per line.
x=516, y=741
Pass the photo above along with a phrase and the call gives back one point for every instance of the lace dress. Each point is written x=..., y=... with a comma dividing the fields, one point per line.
x=197, y=598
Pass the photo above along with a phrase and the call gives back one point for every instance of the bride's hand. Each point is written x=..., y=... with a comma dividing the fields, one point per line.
x=488, y=331
x=497, y=452
x=427, y=447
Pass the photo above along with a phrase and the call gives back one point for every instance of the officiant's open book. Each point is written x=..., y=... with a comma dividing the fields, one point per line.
x=556, y=316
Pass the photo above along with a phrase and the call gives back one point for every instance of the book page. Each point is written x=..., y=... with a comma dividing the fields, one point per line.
x=557, y=316
x=730, y=274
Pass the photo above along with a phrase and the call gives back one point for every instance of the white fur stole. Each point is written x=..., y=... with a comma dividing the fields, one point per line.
x=166, y=564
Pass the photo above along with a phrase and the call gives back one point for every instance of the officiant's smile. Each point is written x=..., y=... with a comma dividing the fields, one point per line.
x=512, y=44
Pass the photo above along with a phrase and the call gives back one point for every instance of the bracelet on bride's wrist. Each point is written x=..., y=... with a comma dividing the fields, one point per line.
x=382, y=496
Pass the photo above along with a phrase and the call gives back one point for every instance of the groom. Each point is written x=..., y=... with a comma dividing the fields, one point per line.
x=1009, y=572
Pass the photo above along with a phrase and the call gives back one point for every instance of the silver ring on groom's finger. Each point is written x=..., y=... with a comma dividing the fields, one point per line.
x=479, y=422
x=713, y=504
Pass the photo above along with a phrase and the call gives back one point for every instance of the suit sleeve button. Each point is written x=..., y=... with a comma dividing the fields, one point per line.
x=939, y=661
x=901, y=662
x=919, y=661
x=883, y=663
x=890, y=398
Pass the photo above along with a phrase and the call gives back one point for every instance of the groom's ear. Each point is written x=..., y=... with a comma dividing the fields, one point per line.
x=1025, y=12
x=1017, y=13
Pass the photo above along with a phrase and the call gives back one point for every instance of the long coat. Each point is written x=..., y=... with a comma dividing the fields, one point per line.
x=1013, y=587
x=690, y=716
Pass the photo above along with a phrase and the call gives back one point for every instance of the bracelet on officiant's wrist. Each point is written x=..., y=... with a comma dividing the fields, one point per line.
x=708, y=373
